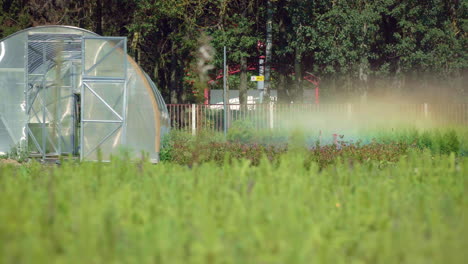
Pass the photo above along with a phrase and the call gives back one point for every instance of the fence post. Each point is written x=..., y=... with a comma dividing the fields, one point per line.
x=271, y=116
x=426, y=112
x=194, y=119
x=350, y=110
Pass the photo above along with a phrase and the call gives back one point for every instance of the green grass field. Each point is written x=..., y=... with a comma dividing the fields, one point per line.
x=413, y=211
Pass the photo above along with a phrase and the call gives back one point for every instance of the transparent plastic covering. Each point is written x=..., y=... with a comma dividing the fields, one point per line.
x=65, y=90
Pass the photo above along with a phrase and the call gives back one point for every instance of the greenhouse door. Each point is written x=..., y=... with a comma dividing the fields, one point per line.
x=49, y=88
x=103, y=97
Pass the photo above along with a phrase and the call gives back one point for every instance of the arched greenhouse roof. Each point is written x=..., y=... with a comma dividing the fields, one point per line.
x=67, y=90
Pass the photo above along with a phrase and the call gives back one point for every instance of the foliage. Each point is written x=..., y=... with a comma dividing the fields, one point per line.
x=241, y=131
x=167, y=147
x=450, y=143
x=16, y=153
x=218, y=152
x=439, y=141
x=382, y=147
x=124, y=212
x=184, y=149
x=353, y=46
x=375, y=153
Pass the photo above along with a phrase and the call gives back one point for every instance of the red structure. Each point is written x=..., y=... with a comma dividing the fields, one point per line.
x=235, y=69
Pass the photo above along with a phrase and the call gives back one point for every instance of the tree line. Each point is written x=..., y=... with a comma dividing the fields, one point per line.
x=357, y=48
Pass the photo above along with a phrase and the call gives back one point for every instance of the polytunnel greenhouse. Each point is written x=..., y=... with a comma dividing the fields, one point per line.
x=68, y=91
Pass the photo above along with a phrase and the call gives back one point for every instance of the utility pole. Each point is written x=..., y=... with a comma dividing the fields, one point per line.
x=269, y=46
x=261, y=69
x=225, y=95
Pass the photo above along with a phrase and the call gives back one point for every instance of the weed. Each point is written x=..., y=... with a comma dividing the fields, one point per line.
x=277, y=212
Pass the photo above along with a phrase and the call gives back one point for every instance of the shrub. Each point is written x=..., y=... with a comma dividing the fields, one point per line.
x=386, y=148
x=439, y=141
x=167, y=148
x=19, y=154
x=241, y=131
x=450, y=143
x=425, y=140
x=190, y=151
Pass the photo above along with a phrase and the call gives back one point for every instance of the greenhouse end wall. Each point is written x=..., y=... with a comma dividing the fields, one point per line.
x=41, y=76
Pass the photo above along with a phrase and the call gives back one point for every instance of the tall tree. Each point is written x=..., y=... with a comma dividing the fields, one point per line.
x=239, y=35
x=350, y=45
x=269, y=49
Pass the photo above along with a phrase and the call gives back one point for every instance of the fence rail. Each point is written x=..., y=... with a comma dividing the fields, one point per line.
x=192, y=117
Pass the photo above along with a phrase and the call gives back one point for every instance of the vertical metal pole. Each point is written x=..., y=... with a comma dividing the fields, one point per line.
x=58, y=101
x=123, y=139
x=261, y=72
x=82, y=99
x=203, y=117
x=43, y=98
x=194, y=119
x=26, y=94
x=225, y=92
x=73, y=88
x=426, y=111
x=350, y=111
x=271, y=116
x=317, y=95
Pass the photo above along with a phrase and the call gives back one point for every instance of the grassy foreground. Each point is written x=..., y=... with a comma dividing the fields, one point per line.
x=414, y=211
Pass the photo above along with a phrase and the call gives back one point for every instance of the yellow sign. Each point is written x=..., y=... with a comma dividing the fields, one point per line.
x=260, y=78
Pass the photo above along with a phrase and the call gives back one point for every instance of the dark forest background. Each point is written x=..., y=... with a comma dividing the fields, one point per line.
x=360, y=49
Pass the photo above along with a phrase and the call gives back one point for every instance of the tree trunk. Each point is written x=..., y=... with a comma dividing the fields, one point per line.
x=269, y=46
x=363, y=78
x=364, y=68
x=299, y=92
x=398, y=80
x=135, y=47
x=282, y=85
x=172, y=78
x=179, y=83
x=99, y=17
x=282, y=69
x=243, y=81
x=82, y=13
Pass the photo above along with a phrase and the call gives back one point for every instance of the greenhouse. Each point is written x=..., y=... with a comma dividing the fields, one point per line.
x=68, y=91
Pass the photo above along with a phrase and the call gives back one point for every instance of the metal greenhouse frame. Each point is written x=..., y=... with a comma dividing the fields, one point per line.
x=68, y=91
